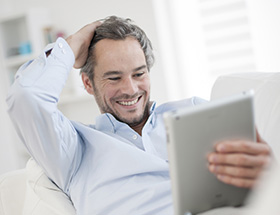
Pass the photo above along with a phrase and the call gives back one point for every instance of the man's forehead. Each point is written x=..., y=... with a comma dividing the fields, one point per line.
x=107, y=44
x=119, y=55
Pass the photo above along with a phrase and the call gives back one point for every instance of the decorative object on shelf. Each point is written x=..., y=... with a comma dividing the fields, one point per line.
x=25, y=48
x=50, y=35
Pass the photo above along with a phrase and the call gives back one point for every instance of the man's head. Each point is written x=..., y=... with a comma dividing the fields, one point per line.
x=117, y=28
x=117, y=70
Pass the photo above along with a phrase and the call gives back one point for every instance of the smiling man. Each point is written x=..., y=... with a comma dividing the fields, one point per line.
x=119, y=165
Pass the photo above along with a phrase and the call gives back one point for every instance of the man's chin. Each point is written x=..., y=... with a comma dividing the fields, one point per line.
x=133, y=121
x=132, y=117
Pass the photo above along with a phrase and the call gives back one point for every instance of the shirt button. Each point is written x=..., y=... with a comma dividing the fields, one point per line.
x=63, y=51
x=134, y=137
x=60, y=45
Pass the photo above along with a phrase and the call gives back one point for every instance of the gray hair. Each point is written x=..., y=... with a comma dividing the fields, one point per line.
x=117, y=28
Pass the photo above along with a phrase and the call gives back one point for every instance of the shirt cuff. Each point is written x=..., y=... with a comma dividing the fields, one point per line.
x=62, y=51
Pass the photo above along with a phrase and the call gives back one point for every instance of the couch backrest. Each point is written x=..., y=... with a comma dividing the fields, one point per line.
x=267, y=101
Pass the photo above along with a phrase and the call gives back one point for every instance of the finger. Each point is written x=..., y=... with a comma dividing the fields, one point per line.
x=87, y=32
x=236, y=159
x=241, y=172
x=238, y=182
x=81, y=42
x=242, y=146
x=90, y=28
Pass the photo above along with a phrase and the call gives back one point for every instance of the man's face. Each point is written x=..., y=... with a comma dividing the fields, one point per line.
x=121, y=80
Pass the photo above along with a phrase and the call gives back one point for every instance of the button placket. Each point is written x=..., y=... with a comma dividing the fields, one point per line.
x=136, y=140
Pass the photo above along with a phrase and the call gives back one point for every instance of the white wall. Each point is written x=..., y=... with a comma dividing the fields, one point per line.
x=265, y=26
x=8, y=158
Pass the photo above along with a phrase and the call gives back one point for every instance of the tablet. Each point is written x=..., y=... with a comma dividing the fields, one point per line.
x=191, y=135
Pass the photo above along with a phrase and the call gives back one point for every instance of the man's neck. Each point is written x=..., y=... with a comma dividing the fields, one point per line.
x=138, y=128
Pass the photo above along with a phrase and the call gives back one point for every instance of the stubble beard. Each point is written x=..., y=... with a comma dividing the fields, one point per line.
x=134, y=121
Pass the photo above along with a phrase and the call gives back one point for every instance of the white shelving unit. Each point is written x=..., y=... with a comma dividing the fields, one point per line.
x=22, y=38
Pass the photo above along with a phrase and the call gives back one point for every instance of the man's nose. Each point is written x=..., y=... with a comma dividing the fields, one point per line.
x=129, y=86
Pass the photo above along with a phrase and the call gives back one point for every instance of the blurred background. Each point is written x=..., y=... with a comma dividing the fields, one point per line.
x=195, y=41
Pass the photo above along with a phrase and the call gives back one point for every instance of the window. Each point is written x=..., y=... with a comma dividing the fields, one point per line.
x=203, y=39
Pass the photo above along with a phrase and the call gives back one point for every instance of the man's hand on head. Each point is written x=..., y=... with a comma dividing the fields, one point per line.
x=240, y=162
x=80, y=41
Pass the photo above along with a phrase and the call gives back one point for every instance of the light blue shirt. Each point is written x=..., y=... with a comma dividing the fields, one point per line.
x=106, y=168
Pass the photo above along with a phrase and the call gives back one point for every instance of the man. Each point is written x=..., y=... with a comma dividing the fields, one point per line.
x=117, y=166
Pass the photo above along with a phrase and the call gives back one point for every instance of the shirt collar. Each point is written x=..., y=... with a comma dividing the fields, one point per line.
x=107, y=122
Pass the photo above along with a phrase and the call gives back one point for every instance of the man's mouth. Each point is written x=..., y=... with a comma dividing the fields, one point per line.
x=129, y=103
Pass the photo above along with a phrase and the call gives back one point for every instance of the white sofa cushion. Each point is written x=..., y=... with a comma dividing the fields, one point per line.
x=12, y=192
x=267, y=101
x=42, y=196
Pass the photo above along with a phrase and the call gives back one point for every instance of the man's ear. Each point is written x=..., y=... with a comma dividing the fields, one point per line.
x=87, y=84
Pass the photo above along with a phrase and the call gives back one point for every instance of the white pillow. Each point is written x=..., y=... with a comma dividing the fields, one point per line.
x=42, y=196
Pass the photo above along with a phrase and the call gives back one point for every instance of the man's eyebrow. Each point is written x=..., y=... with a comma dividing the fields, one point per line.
x=139, y=68
x=110, y=73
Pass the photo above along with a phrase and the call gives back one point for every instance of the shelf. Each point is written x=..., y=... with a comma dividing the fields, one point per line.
x=9, y=17
x=18, y=60
x=22, y=38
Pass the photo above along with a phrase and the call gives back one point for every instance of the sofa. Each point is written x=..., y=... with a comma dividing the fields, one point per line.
x=29, y=191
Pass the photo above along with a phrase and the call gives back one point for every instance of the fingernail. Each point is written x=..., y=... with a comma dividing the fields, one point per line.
x=212, y=158
x=212, y=168
x=220, y=148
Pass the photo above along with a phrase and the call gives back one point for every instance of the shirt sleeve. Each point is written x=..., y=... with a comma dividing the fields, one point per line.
x=48, y=135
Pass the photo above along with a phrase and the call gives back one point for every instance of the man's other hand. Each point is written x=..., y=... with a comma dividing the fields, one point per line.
x=239, y=162
x=80, y=41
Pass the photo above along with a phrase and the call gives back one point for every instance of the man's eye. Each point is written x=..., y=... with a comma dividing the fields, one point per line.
x=114, y=78
x=139, y=74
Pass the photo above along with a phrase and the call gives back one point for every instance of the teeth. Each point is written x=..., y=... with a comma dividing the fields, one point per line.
x=128, y=103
